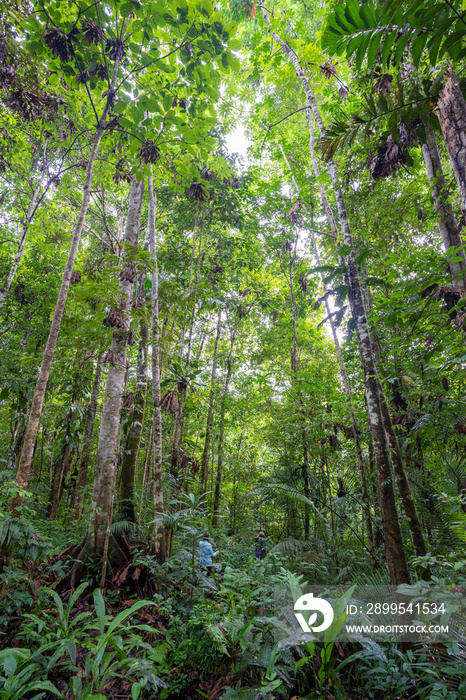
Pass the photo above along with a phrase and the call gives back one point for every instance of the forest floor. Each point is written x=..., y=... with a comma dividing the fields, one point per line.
x=169, y=632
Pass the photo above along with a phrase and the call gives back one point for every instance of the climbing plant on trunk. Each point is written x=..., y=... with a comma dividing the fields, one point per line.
x=396, y=556
x=98, y=536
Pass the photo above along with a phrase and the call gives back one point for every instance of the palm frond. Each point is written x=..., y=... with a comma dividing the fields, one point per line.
x=291, y=547
x=271, y=490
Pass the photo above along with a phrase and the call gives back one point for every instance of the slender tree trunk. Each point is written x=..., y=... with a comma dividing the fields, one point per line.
x=108, y=447
x=448, y=225
x=221, y=432
x=63, y=464
x=61, y=471
x=409, y=505
x=17, y=433
x=91, y=413
x=25, y=462
x=294, y=364
x=133, y=438
x=19, y=252
x=404, y=489
x=396, y=556
x=235, y=486
x=182, y=385
x=305, y=475
x=451, y=113
x=341, y=362
x=147, y=458
x=156, y=461
x=210, y=411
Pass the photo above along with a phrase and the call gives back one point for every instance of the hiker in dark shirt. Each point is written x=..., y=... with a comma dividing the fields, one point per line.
x=260, y=545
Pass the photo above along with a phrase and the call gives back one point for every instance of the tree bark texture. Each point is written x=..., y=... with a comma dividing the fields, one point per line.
x=108, y=447
x=396, y=556
x=182, y=385
x=88, y=435
x=210, y=411
x=341, y=362
x=221, y=432
x=404, y=489
x=448, y=224
x=17, y=433
x=27, y=454
x=61, y=471
x=20, y=250
x=451, y=113
x=156, y=456
x=133, y=438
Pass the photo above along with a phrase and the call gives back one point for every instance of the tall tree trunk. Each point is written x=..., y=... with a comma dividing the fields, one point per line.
x=19, y=251
x=91, y=413
x=58, y=485
x=210, y=411
x=396, y=556
x=341, y=362
x=451, y=113
x=409, y=505
x=147, y=459
x=108, y=447
x=63, y=464
x=235, y=486
x=182, y=385
x=156, y=461
x=17, y=433
x=305, y=475
x=25, y=462
x=221, y=432
x=133, y=438
x=448, y=225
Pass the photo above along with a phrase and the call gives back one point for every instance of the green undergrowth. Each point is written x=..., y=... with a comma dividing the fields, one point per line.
x=198, y=636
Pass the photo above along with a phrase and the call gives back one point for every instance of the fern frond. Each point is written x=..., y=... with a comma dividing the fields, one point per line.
x=218, y=638
x=123, y=526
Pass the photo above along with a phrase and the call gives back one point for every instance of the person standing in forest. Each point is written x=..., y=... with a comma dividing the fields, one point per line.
x=206, y=554
x=260, y=545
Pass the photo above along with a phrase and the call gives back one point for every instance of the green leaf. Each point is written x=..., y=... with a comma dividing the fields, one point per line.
x=341, y=19
x=127, y=613
x=387, y=46
x=235, y=44
x=352, y=13
x=400, y=47
x=361, y=52
x=417, y=47
x=454, y=38
x=74, y=597
x=354, y=44
x=363, y=255
x=367, y=15
x=373, y=47
x=10, y=664
x=99, y=605
x=234, y=63
x=344, y=249
x=42, y=685
x=167, y=102
x=126, y=9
